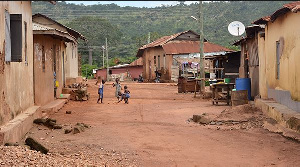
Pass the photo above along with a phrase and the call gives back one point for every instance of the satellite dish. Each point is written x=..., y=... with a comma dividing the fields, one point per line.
x=236, y=28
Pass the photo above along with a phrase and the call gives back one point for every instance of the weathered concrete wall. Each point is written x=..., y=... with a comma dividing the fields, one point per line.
x=44, y=79
x=134, y=71
x=101, y=73
x=71, y=53
x=72, y=60
x=287, y=29
x=16, y=78
x=148, y=62
x=249, y=63
x=263, y=91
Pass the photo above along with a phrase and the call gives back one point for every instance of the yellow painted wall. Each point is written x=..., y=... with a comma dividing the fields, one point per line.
x=16, y=78
x=287, y=27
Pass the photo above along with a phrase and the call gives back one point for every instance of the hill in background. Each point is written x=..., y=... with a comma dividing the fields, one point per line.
x=127, y=28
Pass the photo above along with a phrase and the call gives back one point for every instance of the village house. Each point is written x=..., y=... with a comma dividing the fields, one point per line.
x=70, y=58
x=123, y=71
x=49, y=62
x=249, y=61
x=169, y=55
x=278, y=50
x=16, y=70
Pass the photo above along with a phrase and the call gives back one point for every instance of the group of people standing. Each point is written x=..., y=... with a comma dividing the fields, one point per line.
x=120, y=96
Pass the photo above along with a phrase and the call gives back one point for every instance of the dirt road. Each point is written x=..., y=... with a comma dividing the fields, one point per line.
x=152, y=130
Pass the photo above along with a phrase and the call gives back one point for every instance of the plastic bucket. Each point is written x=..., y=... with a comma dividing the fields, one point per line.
x=227, y=80
x=243, y=84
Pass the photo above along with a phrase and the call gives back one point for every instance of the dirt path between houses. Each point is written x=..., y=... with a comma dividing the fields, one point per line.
x=153, y=130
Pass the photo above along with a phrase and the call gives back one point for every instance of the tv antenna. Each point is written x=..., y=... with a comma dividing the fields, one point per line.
x=236, y=28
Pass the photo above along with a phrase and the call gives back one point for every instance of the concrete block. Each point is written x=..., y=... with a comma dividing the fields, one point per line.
x=70, y=81
x=15, y=129
x=67, y=90
x=64, y=96
x=79, y=79
x=52, y=107
x=281, y=113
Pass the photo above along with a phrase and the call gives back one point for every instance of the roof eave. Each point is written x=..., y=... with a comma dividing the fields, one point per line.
x=56, y=34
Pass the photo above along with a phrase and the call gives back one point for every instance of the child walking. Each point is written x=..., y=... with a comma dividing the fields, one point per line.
x=100, y=91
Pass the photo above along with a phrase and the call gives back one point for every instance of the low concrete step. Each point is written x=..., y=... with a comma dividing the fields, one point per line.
x=281, y=113
x=15, y=129
x=52, y=107
x=64, y=96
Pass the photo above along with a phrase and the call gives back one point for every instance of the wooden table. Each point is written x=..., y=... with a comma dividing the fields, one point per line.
x=216, y=87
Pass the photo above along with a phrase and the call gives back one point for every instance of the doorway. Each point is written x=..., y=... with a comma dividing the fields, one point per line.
x=54, y=69
x=63, y=68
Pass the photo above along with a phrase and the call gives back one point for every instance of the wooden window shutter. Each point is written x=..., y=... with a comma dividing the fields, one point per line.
x=7, y=37
x=16, y=37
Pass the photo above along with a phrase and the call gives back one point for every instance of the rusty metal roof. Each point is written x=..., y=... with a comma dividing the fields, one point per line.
x=262, y=20
x=163, y=40
x=186, y=47
x=138, y=62
x=178, y=47
x=45, y=30
x=71, y=31
x=293, y=7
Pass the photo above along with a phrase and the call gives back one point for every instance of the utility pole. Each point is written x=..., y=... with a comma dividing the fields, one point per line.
x=149, y=37
x=103, y=56
x=202, y=74
x=107, y=68
x=90, y=56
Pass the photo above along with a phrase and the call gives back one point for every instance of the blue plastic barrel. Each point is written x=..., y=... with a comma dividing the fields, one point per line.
x=243, y=84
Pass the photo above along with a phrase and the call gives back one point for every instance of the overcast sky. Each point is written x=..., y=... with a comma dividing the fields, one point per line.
x=132, y=3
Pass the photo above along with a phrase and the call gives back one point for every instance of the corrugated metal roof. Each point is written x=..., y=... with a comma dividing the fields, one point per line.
x=163, y=40
x=185, y=47
x=45, y=30
x=182, y=46
x=37, y=27
x=293, y=7
x=68, y=28
x=138, y=62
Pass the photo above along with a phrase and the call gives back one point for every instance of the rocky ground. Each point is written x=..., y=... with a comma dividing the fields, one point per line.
x=155, y=129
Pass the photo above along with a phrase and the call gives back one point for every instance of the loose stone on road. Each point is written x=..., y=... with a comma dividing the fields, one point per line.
x=153, y=130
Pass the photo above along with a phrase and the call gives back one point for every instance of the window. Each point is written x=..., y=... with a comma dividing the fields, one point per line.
x=158, y=61
x=277, y=59
x=43, y=58
x=25, y=33
x=16, y=37
x=13, y=37
x=154, y=60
